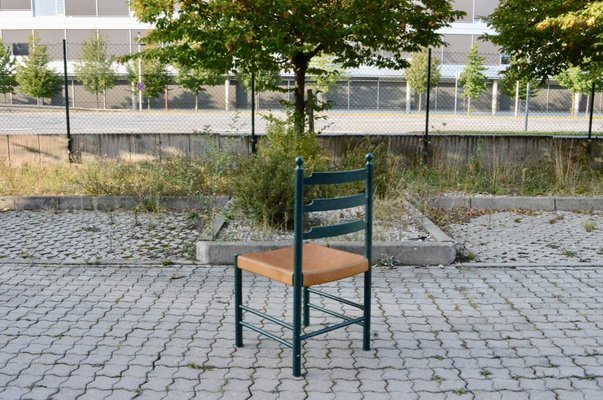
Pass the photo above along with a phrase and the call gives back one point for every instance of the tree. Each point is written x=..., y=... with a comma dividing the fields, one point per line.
x=472, y=79
x=328, y=73
x=508, y=84
x=578, y=82
x=264, y=81
x=548, y=37
x=194, y=79
x=285, y=35
x=416, y=73
x=154, y=77
x=95, y=70
x=34, y=76
x=7, y=71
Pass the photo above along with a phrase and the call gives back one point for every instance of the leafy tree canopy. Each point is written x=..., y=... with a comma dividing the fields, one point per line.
x=472, y=79
x=578, y=81
x=547, y=37
x=416, y=73
x=285, y=35
x=95, y=69
x=34, y=76
x=154, y=76
x=7, y=70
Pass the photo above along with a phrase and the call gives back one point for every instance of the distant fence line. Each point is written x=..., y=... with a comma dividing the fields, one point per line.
x=446, y=150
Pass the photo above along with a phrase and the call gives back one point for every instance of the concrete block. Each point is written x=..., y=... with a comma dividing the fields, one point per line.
x=36, y=203
x=579, y=203
x=407, y=253
x=107, y=203
x=446, y=202
x=7, y=203
x=191, y=203
x=504, y=203
x=222, y=253
x=68, y=203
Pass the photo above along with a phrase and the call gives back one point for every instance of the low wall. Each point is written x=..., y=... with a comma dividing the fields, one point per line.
x=445, y=150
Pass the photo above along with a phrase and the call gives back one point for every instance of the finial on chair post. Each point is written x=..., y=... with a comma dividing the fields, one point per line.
x=369, y=158
x=299, y=162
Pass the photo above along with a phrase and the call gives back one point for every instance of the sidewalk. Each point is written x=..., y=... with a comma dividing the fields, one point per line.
x=142, y=328
x=167, y=333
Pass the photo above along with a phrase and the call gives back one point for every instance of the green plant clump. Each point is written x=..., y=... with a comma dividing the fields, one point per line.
x=264, y=183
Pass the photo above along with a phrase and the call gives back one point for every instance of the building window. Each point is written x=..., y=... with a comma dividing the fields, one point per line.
x=48, y=8
x=20, y=49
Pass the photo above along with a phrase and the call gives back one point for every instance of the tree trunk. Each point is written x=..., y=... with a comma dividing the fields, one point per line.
x=196, y=101
x=420, y=102
x=148, y=103
x=97, y=101
x=468, y=105
x=104, y=99
x=301, y=66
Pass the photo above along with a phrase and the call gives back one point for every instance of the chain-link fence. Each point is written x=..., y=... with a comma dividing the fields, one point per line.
x=366, y=100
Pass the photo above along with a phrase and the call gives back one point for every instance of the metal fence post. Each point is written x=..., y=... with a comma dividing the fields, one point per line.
x=591, y=111
x=426, y=136
x=525, y=122
x=253, y=138
x=66, y=83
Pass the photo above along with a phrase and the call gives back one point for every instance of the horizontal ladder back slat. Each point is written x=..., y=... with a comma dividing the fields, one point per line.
x=334, y=230
x=336, y=203
x=329, y=178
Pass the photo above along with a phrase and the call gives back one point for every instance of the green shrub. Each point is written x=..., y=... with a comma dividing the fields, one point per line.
x=264, y=185
x=386, y=166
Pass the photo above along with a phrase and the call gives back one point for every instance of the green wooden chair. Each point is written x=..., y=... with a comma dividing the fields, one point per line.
x=306, y=264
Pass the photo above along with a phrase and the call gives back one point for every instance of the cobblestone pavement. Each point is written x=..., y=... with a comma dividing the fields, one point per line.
x=534, y=237
x=115, y=332
x=88, y=236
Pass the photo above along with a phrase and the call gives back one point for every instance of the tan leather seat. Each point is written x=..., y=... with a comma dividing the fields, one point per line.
x=319, y=264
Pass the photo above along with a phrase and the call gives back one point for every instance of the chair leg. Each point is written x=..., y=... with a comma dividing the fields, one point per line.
x=297, y=308
x=238, y=298
x=366, y=340
x=306, y=307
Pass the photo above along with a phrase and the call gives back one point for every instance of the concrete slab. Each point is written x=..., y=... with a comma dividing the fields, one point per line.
x=507, y=202
x=579, y=203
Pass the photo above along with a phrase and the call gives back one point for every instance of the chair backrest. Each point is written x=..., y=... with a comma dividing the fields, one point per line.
x=336, y=203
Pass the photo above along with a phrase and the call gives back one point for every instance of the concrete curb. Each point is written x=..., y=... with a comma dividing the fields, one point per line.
x=520, y=202
x=129, y=263
x=404, y=253
x=105, y=203
x=528, y=265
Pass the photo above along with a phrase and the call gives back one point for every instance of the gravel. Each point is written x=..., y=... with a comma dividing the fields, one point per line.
x=395, y=227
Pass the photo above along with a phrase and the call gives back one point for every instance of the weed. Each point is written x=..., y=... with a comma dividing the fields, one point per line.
x=460, y=391
x=202, y=367
x=556, y=219
x=389, y=262
x=600, y=252
x=517, y=220
x=485, y=373
x=569, y=253
x=167, y=263
x=466, y=256
x=437, y=378
x=590, y=226
x=438, y=357
x=91, y=228
x=189, y=250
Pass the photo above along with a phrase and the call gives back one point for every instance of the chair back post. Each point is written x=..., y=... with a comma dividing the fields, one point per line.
x=368, y=236
x=298, y=230
x=298, y=225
